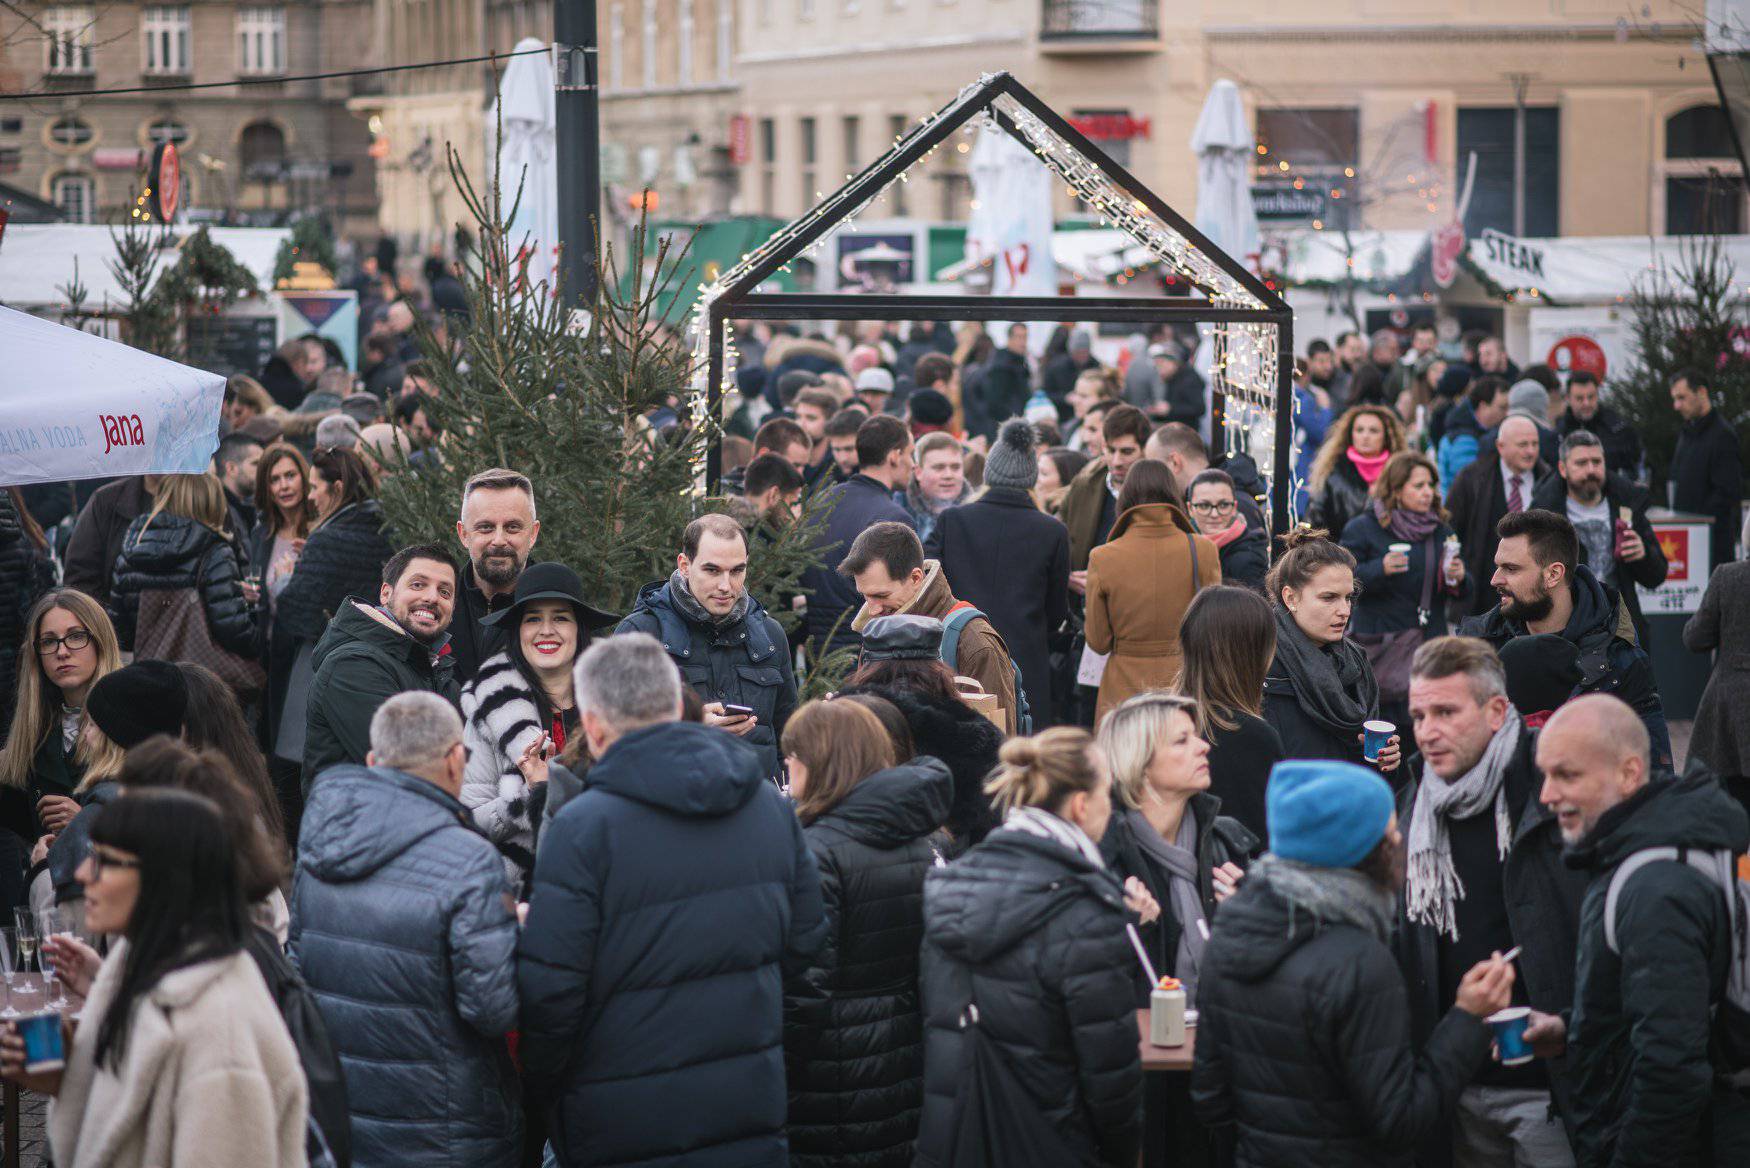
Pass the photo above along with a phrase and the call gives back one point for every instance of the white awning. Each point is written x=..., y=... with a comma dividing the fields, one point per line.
x=37, y=260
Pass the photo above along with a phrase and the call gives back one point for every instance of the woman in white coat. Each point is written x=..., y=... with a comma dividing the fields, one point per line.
x=180, y=1058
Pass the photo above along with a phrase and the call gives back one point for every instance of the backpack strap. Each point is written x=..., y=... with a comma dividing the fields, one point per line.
x=953, y=625
x=1635, y=862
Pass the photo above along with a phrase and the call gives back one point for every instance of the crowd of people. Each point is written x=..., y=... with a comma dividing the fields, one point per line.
x=408, y=854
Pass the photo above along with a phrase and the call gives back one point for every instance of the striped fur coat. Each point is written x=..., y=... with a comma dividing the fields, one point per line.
x=499, y=709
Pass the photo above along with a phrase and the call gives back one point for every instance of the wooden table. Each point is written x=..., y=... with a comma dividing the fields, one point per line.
x=27, y=1004
x=1165, y=1058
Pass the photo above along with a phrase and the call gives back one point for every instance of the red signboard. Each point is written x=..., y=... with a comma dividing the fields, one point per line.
x=1577, y=354
x=740, y=140
x=1112, y=127
x=1674, y=542
x=166, y=179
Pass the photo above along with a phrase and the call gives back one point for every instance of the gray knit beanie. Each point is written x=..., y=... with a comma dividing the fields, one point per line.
x=1011, y=462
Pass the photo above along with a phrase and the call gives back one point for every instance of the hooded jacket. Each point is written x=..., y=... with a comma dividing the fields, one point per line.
x=853, y=1027
x=1460, y=443
x=966, y=741
x=744, y=662
x=343, y=557
x=1303, y=1041
x=1608, y=664
x=362, y=661
x=1643, y=1086
x=652, y=1003
x=402, y=926
x=1032, y=934
x=173, y=553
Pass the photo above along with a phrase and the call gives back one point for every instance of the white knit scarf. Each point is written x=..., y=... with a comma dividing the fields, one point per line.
x=1433, y=888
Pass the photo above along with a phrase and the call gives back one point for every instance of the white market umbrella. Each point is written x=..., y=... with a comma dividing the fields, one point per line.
x=77, y=406
x=1011, y=224
x=1222, y=141
x=529, y=159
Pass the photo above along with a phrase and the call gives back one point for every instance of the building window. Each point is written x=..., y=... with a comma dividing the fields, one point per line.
x=1323, y=142
x=71, y=132
x=617, y=46
x=263, y=150
x=804, y=9
x=76, y=197
x=768, y=165
x=684, y=64
x=167, y=31
x=853, y=151
x=166, y=130
x=11, y=159
x=898, y=125
x=649, y=62
x=261, y=41
x=1489, y=132
x=725, y=38
x=1704, y=181
x=67, y=40
x=810, y=155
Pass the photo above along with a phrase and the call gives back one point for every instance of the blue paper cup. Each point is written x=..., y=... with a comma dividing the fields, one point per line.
x=1375, y=736
x=43, y=1047
x=1509, y=1027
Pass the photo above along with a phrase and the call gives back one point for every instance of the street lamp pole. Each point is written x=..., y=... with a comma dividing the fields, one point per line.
x=578, y=123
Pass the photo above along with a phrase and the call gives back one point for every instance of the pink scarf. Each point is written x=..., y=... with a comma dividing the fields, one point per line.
x=1229, y=533
x=1368, y=465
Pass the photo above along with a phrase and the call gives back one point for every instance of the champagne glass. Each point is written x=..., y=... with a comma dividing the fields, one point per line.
x=26, y=938
x=8, y=968
x=52, y=922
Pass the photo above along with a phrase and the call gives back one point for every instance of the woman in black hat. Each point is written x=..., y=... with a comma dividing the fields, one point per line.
x=520, y=708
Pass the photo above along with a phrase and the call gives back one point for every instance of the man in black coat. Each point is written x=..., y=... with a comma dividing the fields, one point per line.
x=498, y=529
x=867, y=498
x=720, y=638
x=671, y=898
x=1622, y=446
x=89, y=561
x=1060, y=374
x=1601, y=504
x=1485, y=875
x=1010, y=560
x=234, y=464
x=1645, y=1088
x=1707, y=468
x=1543, y=588
x=1485, y=491
x=1002, y=390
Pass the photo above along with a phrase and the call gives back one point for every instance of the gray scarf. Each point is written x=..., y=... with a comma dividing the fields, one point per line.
x=1331, y=896
x=1040, y=822
x=1332, y=683
x=1179, y=858
x=1434, y=889
x=682, y=597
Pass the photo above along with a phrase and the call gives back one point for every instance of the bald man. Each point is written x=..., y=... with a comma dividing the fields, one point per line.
x=1637, y=1051
x=1497, y=483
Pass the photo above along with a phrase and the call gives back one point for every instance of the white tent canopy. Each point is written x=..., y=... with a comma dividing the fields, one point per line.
x=37, y=260
x=76, y=406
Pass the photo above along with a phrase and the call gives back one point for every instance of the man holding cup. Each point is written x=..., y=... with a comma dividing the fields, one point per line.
x=1484, y=876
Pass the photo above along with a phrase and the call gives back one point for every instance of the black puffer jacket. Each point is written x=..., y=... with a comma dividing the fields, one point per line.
x=342, y=557
x=1644, y=1090
x=1342, y=498
x=853, y=1028
x=964, y=739
x=1303, y=1040
x=1033, y=935
x=172, y=553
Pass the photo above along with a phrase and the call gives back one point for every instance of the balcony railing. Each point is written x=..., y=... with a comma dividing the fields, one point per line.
x=1071, y=20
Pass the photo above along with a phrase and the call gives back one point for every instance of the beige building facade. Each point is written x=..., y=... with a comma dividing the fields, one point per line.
x=258, y=152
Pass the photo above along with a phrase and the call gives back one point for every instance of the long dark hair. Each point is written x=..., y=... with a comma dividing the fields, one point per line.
x=929, y=678
x=1228, y=639
x=215, y=721
x=514, y=649
x=190, y=906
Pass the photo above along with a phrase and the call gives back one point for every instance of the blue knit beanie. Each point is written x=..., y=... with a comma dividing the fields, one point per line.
x=1327, y=814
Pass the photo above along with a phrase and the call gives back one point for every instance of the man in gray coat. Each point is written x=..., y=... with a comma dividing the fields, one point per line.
x=406, y=933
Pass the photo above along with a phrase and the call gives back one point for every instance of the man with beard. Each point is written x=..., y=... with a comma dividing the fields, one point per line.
x=1609, y=514
x=370, y=653
x=498, y=529
x=734, y=656
x=1485, y=875
x=1545, y=589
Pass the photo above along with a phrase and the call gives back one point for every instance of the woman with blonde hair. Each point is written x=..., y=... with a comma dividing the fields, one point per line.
x=69, y=644
x=1356, y=449
x=852, y=1023
x=1029, y=1019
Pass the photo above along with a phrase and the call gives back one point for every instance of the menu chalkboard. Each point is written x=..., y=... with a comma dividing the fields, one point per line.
x=230, y=345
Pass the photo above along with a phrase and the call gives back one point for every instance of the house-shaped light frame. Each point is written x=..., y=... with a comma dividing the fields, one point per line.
x=1253, y=325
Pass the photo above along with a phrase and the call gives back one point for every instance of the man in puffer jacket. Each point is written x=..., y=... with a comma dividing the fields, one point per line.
x=671, y=898
x=405, y=931
x=1303, y=1037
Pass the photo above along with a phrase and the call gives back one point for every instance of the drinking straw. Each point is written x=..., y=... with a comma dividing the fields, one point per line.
x=1142, y=956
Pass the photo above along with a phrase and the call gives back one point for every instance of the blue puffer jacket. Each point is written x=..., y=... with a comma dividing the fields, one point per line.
x=671, y=898
x=402, y=926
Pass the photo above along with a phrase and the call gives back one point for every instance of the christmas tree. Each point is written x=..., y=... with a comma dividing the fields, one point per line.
x=597, y=409
x=1686, y=315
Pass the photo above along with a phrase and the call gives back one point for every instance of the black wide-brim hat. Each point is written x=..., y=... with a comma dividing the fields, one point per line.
x=552, y=582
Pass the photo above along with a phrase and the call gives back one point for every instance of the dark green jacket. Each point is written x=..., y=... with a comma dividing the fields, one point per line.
x=1643, y=1087
x=360, y=663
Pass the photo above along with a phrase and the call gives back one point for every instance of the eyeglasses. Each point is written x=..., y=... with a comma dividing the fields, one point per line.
x=49, y=644
x=101, y=859
x=1214, y=508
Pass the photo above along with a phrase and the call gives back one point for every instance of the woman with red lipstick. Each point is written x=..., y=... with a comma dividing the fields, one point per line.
x=520, y=709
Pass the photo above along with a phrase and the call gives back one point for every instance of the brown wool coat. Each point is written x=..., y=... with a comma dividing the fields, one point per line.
x=1140, y=582
x=1080, y=511
x=982, y=654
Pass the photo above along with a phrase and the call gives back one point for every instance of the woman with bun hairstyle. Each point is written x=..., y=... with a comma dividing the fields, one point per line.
x=853, y=1031
x=1030, y=1051
x=1356, y=449
x=1320, y=688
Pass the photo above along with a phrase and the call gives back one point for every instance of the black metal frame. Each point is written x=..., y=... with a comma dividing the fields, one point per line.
x=740, y=300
